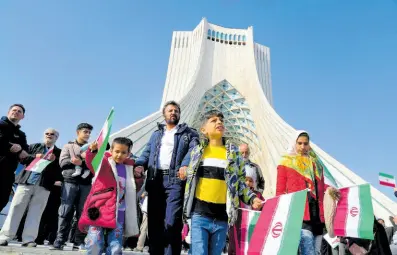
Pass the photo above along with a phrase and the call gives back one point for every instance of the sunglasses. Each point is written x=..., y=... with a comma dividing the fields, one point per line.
x=304, y=143
x=49, y=134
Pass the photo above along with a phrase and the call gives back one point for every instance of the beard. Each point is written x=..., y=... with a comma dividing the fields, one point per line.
x=172, y=121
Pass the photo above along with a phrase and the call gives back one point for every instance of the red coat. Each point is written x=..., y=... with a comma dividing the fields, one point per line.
x=101, y=206
x=289, y=180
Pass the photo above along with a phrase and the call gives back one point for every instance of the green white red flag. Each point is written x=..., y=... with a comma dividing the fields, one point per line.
x=39, y=164
x=278, y=229
x=102, y=141
x=354, y=215
x=387, y=180
x=240, y=234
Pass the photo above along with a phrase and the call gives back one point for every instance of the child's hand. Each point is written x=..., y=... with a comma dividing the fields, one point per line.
x=257, y=204
x=182, y=173
x=138, y=171
x=94, y=146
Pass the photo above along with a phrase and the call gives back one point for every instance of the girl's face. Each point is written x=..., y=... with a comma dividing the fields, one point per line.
x=302, y=145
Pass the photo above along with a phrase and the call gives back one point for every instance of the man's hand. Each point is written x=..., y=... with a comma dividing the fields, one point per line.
x=58, y=183
x=94, y=146
x=39, y=155
x=257, y=204
x=138, y=171
x=76, y=161
x=23, y=155
x=15, y=148
x=51, y=157
x=182, y=173
x=83, y=155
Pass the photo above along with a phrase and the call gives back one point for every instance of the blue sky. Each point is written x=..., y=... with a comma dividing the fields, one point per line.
x=334, y=65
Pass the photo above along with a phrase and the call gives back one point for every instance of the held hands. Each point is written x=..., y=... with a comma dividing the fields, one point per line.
x=257, y=204
x=39, y=155
x=23, y=155
x=76, y=161
x=15, y=148
x=58, y=183
x=182, y=173
x=94, y=146
x=138, y=171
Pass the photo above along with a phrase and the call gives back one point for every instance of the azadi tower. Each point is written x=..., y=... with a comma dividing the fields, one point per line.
x=213, y=67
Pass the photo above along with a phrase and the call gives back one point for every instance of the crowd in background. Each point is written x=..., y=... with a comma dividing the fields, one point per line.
x=182, y=193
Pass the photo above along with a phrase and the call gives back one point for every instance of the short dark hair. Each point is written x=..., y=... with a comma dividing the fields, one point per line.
x=304, y=134
x=84, y=125
x=208, y=115
x=124, y=141
x=19, y=105
x=172, y=102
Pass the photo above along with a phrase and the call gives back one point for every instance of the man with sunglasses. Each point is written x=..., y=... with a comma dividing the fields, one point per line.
x=13, y=147
x=33, y=190
x=75, y=189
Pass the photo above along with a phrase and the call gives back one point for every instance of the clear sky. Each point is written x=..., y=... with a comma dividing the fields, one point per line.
x=334, y=65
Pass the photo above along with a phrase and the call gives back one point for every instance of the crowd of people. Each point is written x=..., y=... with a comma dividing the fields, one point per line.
x=182, y=192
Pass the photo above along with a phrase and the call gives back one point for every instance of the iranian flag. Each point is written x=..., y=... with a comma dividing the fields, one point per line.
x=39, y=164
x=240, y=234
x=387, y=180
x=354, y=215
x=102, y=141
x=278, y=229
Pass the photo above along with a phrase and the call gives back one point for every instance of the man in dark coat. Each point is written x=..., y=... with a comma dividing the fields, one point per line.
x=13, y=147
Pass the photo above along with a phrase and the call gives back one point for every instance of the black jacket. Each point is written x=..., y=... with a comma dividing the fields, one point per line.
x=50, y=174
x=9, y=133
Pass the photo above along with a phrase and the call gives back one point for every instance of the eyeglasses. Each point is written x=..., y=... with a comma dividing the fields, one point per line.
x=49, y=134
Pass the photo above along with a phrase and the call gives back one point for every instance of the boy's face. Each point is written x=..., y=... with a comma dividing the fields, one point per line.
x=213, y=128
x=83, y=134
x=249, y=182
x=119, y=152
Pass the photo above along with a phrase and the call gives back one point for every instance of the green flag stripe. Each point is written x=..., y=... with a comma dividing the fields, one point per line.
x=101, y=151
x=252, y=224
x=386, y=175
x=366, y=212
x=292, y=230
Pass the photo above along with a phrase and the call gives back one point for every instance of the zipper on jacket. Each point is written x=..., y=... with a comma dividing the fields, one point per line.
x=103, y=191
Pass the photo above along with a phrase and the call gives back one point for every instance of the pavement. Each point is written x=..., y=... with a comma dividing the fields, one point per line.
x=17, y=249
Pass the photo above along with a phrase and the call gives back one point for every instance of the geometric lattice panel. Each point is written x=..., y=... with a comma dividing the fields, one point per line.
x=238, y=121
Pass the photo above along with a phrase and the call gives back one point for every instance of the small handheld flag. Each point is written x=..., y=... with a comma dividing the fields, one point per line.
x=387, y=180
x=102, y=141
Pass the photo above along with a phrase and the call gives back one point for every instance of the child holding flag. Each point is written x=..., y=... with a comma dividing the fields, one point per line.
x=111, y=206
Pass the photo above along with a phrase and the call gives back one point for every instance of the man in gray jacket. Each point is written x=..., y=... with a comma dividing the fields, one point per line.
x=75, y=189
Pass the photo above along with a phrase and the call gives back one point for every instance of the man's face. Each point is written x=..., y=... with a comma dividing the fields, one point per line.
x=83, y=134
x=245, y=151
x=15, y=114
x=381, y=222
x=50, y=137
x=172, y=114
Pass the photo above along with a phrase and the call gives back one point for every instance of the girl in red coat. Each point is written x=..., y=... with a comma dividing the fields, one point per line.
x=111, y=206
x=300, y=169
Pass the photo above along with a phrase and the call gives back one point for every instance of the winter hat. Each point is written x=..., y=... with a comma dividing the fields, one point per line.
x=250, y=171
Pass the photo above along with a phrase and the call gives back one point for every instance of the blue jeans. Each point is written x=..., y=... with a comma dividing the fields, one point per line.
x=310, y=244
x=208, y=235
x=95, y=240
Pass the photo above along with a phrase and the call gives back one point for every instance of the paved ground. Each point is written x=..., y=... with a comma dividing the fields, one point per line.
x=15, y=248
